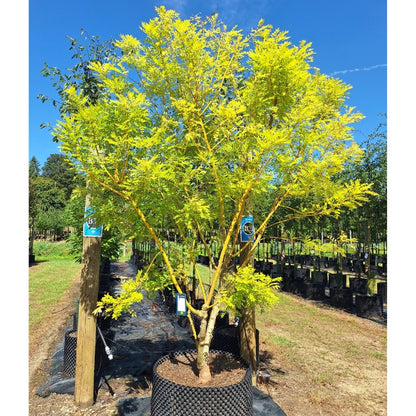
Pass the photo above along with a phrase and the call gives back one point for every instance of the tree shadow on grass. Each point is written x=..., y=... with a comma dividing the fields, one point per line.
x=265, y=359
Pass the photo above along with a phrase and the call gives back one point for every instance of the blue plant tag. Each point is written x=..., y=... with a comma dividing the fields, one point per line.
x=246, y=228
x=90, y=228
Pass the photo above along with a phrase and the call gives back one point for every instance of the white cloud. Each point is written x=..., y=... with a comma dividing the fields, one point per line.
x=366, y=68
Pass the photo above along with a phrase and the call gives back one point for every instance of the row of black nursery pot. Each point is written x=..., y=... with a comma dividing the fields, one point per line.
x=320, y=285
x=350, y=263
x=332, y=287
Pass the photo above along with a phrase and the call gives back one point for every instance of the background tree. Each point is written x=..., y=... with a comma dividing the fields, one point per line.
x=49, y=191
x=60, y=171
x=74, y=218
x=34, y=168
x=197, y=123
x=33, y=210
x=90, y=49
x=371, y=218
x=34, y=171
x=50, y=203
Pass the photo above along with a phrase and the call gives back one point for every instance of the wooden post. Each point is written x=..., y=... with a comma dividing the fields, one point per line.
x=86, y=336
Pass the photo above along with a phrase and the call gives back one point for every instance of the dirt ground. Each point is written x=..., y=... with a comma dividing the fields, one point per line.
x=291, y=392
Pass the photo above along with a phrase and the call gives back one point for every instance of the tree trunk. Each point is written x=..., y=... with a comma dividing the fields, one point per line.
x=247, y=325
x=248, y=346
x=31, y=237
x=205, y=335
x=282, y=251
x=367, y=244
x=204, y=373
x=339, y=262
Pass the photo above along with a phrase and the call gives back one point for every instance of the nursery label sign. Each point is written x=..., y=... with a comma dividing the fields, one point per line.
x=181, y=309
x=90, y=228
x=246, y=228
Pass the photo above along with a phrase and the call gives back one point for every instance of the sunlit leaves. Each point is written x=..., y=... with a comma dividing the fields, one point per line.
x=129, y=295
x=245, y=289
x=197, y=124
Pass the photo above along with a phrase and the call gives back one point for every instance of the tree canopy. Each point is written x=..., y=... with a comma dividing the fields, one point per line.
x=34, y=168
x=199, y=125
x=59, y=170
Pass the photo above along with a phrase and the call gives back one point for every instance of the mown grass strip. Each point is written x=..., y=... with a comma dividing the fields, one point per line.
x=48, y=281
x=339, y=357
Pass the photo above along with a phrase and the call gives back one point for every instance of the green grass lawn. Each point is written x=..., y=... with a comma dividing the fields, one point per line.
x=53, y=273
x=47, y=251
x=49, y=278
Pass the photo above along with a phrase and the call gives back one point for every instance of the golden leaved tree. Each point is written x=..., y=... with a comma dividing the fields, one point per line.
x=197, y=123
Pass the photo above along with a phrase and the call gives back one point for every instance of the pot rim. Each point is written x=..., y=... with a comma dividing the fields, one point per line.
x=193, y=351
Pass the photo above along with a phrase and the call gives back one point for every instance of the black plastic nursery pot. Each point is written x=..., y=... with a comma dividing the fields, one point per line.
x=319, y=276
x=341, y=298
x=302, y=274
x=369, y=306
x=70, y=353
x=258, y=266
x=337, y=281
x=169, y=299
x=307, y=260
x=289, y=285
x=382, y=291
x=358, y=285
x=318, y=291
x=227, y=339
x=288, y=277
x=173, y=399
x=307, y=289
x=268, y=267
x=312, y=290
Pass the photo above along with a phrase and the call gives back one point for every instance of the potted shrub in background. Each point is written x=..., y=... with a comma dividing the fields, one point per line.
x=341, y=295
x=370, y=303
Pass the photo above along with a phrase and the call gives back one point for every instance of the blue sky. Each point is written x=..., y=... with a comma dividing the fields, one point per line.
x=349, y=38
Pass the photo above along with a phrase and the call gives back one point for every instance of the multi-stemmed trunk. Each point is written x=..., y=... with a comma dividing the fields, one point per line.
x=205, y=336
